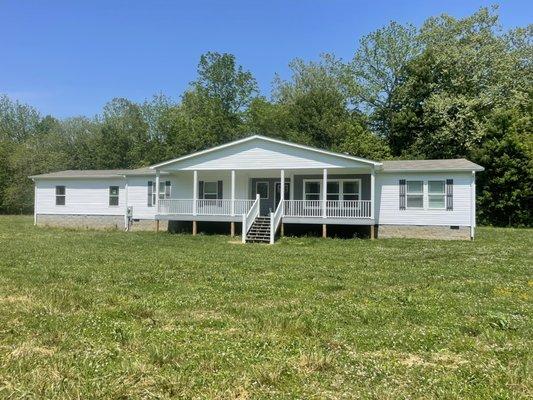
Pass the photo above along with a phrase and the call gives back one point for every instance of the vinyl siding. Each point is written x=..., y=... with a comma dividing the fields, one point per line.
x=387, y=201
x=83, y=196
x=260, y=155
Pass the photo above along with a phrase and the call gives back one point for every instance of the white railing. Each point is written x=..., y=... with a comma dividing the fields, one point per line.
x=175, y=206
x=205, y=207
x=334, y=208
x=275, y=219
x=249, y=217
x=303, y=208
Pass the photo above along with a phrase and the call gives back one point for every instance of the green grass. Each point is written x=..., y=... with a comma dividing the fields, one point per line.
x=86, y=314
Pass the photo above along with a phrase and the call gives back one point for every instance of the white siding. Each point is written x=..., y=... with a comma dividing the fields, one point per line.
x=387, y=201
x=262, y=155
x=138, y=196
x=83, y=196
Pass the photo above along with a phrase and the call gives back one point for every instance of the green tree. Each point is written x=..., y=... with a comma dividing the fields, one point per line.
x=377, y=70
x=505, y=189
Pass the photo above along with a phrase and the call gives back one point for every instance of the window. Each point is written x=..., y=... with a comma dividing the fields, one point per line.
x=333, y=190
x=337, y=189
x=312, y=190
x=351, y=190
x=60, y=195
x=261, y=188
x=113, y=195
x=415, y=194
x=436, y=194
x=210, y=190
x=164, y=192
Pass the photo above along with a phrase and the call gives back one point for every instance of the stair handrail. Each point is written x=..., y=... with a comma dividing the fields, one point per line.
x=250, y=216
x=275, y=219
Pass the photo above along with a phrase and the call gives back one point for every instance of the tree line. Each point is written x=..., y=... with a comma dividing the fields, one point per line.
x=451, y=88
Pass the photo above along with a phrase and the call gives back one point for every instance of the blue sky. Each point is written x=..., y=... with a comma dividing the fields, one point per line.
x=69, y=58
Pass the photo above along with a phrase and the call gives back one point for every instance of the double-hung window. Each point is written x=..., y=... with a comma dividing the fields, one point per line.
x=351, y=190
x=415, y=194
x=312, y=190
x=437, y=194
x=162, y=193
x=60, y=195
x=113, y=195
x=333, y=190
x=211, y=190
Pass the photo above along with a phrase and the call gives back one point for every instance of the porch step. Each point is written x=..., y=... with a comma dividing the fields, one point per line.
x=259, y=231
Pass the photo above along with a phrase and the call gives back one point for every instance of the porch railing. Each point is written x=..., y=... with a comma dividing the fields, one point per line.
x=205, y=206
x=291, y=208
x=275, y=220
x=334, y=208
x=249, y=217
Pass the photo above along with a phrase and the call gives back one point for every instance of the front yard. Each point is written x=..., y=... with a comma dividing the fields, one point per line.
x=88, y=314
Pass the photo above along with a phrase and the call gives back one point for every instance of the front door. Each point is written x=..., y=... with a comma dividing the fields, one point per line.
x=277, y=194
x=262, y=188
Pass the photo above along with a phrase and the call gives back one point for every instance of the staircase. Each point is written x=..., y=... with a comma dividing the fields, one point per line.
x=259, y=231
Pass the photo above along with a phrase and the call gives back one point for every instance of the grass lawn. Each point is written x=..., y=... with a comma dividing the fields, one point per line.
x=88, y=314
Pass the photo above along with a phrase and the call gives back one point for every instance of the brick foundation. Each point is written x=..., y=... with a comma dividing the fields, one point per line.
x=423, y=232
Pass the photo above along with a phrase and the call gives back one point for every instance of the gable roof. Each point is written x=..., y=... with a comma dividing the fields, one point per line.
x=458, y=164
x=270, y=140
x=95, y=173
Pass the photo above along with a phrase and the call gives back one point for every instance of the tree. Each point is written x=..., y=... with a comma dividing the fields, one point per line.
x=505, y=189
x=465, y=71
x=376, y=71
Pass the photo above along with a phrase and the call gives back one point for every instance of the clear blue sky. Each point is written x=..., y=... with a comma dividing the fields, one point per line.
x=70, y=57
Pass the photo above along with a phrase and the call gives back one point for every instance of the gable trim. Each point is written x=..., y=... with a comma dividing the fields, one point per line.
x=266, y=139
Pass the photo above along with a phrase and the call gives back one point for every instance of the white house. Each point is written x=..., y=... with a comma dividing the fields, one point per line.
x=241, y=183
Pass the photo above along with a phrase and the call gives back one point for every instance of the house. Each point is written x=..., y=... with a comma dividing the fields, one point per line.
x=259, y=184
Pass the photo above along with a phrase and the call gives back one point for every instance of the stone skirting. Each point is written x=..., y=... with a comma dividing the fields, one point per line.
x=81, y=221
x=423, y=232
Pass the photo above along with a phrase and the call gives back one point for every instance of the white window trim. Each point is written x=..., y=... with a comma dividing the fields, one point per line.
x=117, y=196
x=443, y=194
x=60, y=195
x=268, y=189
x=424, y=183
x=215, y=193
x=341, y=187
x=319, y=181
x=156, y=194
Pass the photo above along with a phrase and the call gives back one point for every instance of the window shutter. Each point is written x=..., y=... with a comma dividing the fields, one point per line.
x=449, y=194
x=167, y=189
x=402, y=194
x=219, y=194
x=200, y=189
x=150, y=192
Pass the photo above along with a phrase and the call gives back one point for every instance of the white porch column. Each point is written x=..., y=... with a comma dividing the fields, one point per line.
x=324, y=192
x=232, y=192
x=291, y=184
x=194, y=191
x=157, y=191
x=372, y=192
x=282, y=186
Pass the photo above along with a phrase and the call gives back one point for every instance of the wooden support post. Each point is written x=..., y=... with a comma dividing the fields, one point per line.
x=372, y=232
x=157, y=225
x=282, y=230
x=324, y=231
x=194, y=227
x=232, y=229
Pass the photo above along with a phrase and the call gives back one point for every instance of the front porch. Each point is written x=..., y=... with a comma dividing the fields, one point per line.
x=308, y=197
